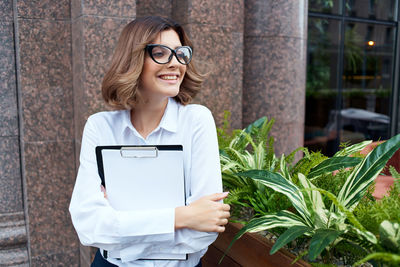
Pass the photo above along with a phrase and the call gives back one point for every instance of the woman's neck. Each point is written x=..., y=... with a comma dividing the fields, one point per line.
x=146, y=116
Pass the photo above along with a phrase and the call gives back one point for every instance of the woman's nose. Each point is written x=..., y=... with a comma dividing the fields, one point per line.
x=174, y=62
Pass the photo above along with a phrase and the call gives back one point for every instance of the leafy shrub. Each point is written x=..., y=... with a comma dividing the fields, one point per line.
x=326, y=226
x=371, y=213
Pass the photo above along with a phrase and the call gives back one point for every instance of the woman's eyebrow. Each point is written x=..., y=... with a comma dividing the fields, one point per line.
x=172, y=47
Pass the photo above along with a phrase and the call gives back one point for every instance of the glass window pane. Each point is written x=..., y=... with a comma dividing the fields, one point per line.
x=367, y=82
x=324, y=6
x=321, y=88
x=372, y=9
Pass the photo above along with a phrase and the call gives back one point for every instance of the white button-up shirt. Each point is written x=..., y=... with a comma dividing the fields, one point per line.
x=131, y=235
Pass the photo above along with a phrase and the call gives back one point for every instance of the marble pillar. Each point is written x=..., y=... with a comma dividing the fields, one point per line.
x=46, y=129
x=216, y=29
x=275, y=40
x=96, y=26
x=13, y=234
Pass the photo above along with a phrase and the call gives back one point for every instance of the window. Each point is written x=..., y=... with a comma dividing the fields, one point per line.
x=350, y=73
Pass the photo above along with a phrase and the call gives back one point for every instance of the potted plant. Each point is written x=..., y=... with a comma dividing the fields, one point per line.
x=320, y=216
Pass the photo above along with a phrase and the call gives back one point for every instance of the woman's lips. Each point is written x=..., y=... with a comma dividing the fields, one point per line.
x=168, y=77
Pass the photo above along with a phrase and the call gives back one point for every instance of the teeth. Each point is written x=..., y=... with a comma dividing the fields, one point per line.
x=168, y=77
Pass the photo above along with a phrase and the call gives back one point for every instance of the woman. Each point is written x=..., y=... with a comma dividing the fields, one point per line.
x=150, y=83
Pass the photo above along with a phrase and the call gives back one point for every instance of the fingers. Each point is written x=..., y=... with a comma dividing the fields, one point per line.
x=218, y=196
x=220, y=229
x=226, y=207
x=225, y=215
x=223, y=222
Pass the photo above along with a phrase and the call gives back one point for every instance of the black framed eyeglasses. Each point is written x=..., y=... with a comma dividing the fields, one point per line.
x=162, y=54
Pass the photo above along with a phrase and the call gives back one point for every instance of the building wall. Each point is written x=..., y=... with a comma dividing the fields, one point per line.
x=53, y=57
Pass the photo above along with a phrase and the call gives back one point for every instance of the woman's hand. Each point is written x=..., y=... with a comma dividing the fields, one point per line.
x=206, y=214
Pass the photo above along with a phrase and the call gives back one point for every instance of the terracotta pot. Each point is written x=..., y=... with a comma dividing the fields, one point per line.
x=383, y=182
x=250, y=250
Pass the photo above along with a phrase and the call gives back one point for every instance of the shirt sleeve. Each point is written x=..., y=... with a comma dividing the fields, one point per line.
x=98, y=224
x=205, y=176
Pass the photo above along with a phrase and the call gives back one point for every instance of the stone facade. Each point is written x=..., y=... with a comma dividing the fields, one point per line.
x=53, y=56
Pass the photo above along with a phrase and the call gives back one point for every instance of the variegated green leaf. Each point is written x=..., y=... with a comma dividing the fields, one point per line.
x=284, y=168
x=365, y=173
x=289, y=235
x=332, y=164
x=239, y=142
x=276, y=182
x=352, y=149
x=350, y=216
x=235, y=155
x=259, y=155
x=362, y=234
x=229, y=166
x=283, y=218
x=320, y=240
x=318, y=206
x=314, y=195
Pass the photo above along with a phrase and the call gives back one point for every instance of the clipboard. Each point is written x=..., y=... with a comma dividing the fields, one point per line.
x=131, y=175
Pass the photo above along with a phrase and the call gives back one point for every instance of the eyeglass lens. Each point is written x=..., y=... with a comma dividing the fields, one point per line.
x=163, y=54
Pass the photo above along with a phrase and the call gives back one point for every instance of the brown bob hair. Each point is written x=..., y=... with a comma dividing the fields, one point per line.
x=122, y=80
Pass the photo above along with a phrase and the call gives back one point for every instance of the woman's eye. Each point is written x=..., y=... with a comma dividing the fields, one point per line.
x=158, y=54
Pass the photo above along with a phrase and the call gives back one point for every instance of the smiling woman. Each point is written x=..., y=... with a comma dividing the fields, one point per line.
x=150, y=83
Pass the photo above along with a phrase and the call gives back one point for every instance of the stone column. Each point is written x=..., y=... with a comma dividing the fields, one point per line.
x=275, y=43
x=13, y=237
x=96, y=26
x=216, y=28
x=46, y=128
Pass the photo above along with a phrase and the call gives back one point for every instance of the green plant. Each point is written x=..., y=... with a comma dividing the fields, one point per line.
x=325, y=226
x=224, y=133
x=250, y=148
x=371, y=213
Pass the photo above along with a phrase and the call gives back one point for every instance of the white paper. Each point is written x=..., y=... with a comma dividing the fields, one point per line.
x=135, y=183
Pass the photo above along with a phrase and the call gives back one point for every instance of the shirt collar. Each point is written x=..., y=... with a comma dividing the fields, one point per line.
x=168, y=122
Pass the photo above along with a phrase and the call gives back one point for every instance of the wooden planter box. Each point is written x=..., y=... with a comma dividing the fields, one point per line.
x=250, y=250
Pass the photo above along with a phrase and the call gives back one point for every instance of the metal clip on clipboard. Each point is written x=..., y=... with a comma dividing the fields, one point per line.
x=139, y=152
